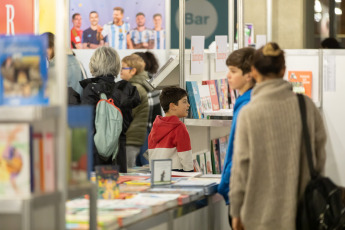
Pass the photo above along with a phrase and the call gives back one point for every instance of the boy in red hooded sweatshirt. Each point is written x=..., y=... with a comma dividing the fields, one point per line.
x=169, y=138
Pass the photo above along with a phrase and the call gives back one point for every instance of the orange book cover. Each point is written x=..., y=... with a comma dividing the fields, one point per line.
x=301, y=81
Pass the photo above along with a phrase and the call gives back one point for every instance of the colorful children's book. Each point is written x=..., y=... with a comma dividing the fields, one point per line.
x=194, y=98
x=223, y=96
x=213, y=93
x=107, y=176
x=15, y=160
x=23, y=70
x=215, y=156
x=205, y=98
x=223, y=145
x=301, y=81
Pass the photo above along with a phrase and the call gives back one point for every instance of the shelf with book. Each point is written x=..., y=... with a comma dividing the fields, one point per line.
x=28, y=113
x=207, y=122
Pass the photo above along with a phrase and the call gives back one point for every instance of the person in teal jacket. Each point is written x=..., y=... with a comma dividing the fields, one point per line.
x=239, y=78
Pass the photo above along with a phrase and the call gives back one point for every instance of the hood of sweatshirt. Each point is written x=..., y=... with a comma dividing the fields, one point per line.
x=141, y=79
x=162, y=126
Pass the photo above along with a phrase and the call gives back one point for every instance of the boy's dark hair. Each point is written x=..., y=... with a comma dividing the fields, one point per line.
x=269, y=59
x=242, y=59
x=171, y=94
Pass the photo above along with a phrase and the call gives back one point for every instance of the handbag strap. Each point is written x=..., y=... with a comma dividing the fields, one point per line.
x=306, y=137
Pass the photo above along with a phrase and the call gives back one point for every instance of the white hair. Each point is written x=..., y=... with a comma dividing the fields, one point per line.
x=104, y=61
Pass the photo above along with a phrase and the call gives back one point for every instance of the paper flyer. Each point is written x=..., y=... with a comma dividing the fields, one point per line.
x=197, y=54
x=301, y=81
x=221, y=53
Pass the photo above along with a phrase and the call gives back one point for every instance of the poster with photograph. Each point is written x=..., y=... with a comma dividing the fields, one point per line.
x=161, y=172
x=130, y=24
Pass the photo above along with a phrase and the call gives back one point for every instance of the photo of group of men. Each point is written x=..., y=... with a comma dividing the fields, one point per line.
x=118, y=33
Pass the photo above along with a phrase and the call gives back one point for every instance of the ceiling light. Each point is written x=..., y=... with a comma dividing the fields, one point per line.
x=317, y=7
x=338, y=11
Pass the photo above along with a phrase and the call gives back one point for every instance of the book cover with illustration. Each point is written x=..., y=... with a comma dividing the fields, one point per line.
x=213, y=92
x=301, y=81
x=194, y=98
x=205, y=98
x=23, y=70
x=223, y=145
x=107, y=177
x=215, y=156
x=15, y=166
x=223, y=95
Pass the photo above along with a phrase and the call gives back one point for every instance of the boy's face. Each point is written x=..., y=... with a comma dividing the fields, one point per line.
x=126, y=72
x=236, y=78
x=181, y=109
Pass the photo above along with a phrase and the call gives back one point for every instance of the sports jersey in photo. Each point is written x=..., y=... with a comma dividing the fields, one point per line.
x=159, y=37
x=90, y=36
x=138, y=37
x=116, y=35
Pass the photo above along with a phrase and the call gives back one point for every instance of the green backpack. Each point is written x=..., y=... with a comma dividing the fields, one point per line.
x=108, y=125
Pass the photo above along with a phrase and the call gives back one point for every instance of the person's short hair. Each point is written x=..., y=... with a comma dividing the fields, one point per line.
x=330, y=43
x=93, y=12
x=242, y=59
x=51, y=39
x=140, y=13
x=135, y=61
x=119, y=9
x=157, y=15
x=151, y=63
x=269, y=59
x=171, y=94
x=105, y=61
x=75, y=15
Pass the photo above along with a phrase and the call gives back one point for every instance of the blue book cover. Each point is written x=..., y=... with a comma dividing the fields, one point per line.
x=197, y=99
x=23, y=70
x=191, y=99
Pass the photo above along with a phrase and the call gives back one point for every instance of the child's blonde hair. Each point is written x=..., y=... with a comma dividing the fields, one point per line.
x=134, y=61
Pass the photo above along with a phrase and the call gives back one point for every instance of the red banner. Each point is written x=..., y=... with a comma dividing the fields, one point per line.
x=16, y=17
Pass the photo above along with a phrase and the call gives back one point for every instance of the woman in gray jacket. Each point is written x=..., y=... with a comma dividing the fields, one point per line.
x=270, y=170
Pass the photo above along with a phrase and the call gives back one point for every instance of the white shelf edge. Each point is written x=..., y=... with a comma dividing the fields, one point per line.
x=15, y=205
x=207, y=123
x=28, y=113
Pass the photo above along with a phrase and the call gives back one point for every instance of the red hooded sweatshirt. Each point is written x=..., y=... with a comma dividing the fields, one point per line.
x=169, y=139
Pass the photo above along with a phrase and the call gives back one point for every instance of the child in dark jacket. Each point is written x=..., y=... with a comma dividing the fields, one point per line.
x=169, y=138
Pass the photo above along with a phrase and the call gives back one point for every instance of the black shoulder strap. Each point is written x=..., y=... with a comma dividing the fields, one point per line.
x=306, y=136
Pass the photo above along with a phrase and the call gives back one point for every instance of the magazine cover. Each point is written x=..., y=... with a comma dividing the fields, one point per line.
x=23, y=70
x=107, y=177
x=14, y=160
x=223, y=145
x=301, y=81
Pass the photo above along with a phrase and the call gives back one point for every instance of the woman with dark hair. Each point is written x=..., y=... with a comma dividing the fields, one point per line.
x=269, y=174
x=151, y=66
x=104, y=67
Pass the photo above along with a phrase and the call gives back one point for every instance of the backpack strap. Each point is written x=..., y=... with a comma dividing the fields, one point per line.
x=306, y=136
